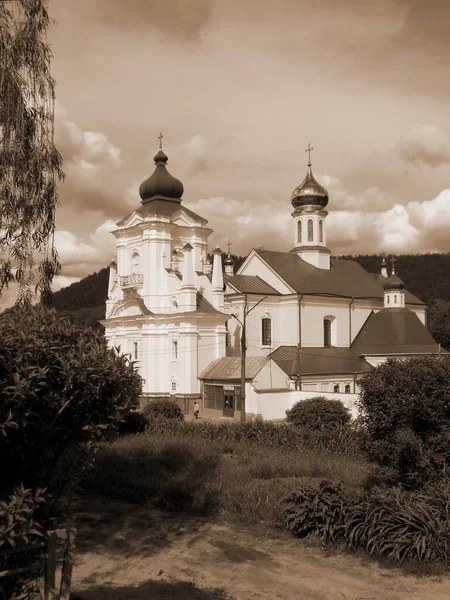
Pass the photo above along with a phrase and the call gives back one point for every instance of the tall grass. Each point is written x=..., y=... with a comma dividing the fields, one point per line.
x=340, y=440
x=241, y=482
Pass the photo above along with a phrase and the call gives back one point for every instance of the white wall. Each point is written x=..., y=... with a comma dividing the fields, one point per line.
x=273, y=405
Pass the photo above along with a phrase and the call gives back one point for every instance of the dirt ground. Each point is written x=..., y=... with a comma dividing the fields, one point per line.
x=127, y=552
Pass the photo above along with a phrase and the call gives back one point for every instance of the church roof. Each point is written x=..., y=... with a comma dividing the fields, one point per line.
x=394, y=331
x=203, y=305
x=163, y=208
x=345, y=278
x=229, y=368
x=250, y=284
x=161, y=183
x=319, y=361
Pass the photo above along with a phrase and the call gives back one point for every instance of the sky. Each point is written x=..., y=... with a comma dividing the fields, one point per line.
x=239, y=88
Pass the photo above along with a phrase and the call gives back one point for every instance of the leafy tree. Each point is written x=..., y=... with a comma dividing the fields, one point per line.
x=30, y=165
x=405, y=411
x=439, y=322
x=61, y=388
x=318, y=413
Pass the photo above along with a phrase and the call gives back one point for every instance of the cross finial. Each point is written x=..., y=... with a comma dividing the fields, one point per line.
x=309, y=150
x=229, y=247
x=160, y=137
x=393, y=265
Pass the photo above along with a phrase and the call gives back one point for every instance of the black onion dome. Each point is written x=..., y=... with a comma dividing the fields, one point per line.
x=161, y=184
x=309, y=192
x=228, y=261
x=393, y=283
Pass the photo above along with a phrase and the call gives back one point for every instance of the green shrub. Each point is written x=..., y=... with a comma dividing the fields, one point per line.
x=392, y=523
x=318, y=413
x=61, y=388
x=161, y=409
x=405, y=411
x=132, y=422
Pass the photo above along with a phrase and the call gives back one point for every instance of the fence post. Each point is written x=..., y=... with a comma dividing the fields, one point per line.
x=66, y=576
x=50, y=567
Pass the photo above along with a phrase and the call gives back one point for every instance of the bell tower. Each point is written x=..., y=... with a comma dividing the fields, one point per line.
x=309, y=200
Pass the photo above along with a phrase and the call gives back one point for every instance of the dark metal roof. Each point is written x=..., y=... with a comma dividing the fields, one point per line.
x=163, y=208
x=345, y=278
x=394, y=331
x=319, y=361
x=250, y=284
x=161, y=182
x=229, y=368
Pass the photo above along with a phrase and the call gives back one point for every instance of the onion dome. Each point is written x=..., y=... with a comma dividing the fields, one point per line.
x=393, y=283
x=228, y=261
x=161, y=184
x=309, y=192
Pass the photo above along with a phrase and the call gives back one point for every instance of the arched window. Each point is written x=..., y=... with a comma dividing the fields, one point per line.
x=388, y=299
x=347, y=388
x=266, y=331
x=327, y=332
x=135, y=263
x=310, y=230
x=320, y=230
x=395, y=299
x=336, y=388
x=299, y=231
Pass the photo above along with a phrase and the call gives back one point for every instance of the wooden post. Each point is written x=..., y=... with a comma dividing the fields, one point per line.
x=243, y=354
x=50, y=567
x=66, y=576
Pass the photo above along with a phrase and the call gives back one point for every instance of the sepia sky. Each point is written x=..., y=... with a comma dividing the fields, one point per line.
x=239, y=88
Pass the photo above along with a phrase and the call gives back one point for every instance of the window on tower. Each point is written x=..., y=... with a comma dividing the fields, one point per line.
x=310, y=230
x=326, y=332
x=299, y=232
x=135, y=263
x=136, y=350
x=266, y=331
x=321, y=231
x=174, y=350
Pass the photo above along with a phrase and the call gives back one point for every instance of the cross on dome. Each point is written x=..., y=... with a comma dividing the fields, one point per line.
x=309, y=150
x=160, y=137
x=229, y=247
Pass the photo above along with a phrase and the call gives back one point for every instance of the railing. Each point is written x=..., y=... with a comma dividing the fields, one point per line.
x=44, y=563
x=132, y=280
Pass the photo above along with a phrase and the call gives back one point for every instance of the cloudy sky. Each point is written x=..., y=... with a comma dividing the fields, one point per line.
x=239, y=88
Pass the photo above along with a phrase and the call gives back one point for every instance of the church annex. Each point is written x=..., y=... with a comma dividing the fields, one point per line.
x=313, y=325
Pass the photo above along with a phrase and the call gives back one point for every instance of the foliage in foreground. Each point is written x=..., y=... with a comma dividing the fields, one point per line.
x=340, y=440
x=392, y=523
x=319, y=413
x=60, y=389
x=242, y=482
x=405, y=412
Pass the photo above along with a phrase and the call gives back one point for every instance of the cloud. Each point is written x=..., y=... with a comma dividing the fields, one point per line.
x=196, y=151
x=182, y=20
x=80, y=258
x=424, y=144
x=94, y=169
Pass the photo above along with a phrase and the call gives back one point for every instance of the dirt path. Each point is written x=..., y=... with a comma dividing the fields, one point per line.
x=127, y=552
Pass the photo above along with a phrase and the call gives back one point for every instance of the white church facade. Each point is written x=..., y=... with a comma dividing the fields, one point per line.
x=313, y=324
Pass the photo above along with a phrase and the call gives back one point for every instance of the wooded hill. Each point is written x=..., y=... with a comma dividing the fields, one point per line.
x=426, y=275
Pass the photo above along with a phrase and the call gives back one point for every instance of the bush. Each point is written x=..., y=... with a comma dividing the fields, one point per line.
x=405, y=411
x=319, y=413
x=61, y=388
x=391, y=523
x=132, y=422
x=163, y=409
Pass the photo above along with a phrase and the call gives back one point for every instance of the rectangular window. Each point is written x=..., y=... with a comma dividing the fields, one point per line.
x=326, y=332
x=266, y=325
x=174, y=386
x=174, y=350
x=136, y=351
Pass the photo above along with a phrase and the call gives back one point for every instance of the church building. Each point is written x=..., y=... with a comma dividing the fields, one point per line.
x=313, y=325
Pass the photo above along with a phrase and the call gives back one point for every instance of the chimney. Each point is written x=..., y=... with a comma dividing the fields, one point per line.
x=188, y=293
x=217, y=280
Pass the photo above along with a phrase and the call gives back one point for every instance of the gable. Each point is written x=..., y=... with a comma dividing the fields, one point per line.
x=131, y=307
x=256, y=266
